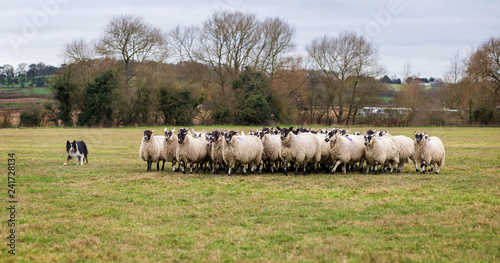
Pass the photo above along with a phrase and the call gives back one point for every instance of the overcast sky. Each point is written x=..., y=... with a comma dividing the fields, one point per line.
x=426, y=33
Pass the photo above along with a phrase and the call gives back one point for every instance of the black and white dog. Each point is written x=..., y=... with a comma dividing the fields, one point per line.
x=77, y=150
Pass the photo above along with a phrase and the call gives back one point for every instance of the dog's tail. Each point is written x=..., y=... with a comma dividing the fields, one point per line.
x=85, y=151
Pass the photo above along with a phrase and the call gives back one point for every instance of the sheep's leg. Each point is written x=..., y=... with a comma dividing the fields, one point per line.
x=416, y=165
x=149, y=166
x=344, y=168
x=183, y=166
x=423, y=168
x=285, y=165
x=297, y=168
x=335, y=167
x=229, y=170
x=190, y=168
x=304, y=170
x=438, y=168
x=173, y=166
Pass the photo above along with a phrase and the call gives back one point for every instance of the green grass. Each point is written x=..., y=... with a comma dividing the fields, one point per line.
x=112, y=210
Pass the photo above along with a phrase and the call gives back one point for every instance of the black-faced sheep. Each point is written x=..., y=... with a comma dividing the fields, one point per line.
x=271, y=153
x=300, y=149
x=170, y=147
x=380, y=151
x=429, y=151
x=242, y=150
x=190, y=150
x=215, y=142
x=150, y=150
x=344, y=150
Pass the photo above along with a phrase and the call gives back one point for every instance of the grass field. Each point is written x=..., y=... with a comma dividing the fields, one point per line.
x=112, y=210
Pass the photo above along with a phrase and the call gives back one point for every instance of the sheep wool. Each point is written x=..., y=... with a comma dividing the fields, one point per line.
x=406, y=150
x=150, y=150
x=429, y=151
x=244, y=150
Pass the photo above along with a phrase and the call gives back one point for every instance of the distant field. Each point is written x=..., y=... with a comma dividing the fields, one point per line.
x=111, y=210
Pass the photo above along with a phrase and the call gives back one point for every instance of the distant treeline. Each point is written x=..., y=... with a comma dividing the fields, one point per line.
x=32, y=75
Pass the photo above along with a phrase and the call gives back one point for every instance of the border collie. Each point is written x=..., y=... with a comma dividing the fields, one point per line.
x=77, y=150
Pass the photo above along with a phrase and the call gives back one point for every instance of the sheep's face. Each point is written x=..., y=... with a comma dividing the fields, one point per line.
x=369, y=135
x=208, y=138
x=182, y=135
x=419, y=136
x=169, y=134
x=216, y=135
x=331, y=136
x=228, y=136
x=148, y=134
x=285, y=132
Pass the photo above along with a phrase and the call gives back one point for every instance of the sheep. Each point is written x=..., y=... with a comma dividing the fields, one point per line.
x=406, y=150
x=380, y=150
x=150, y=150
x=346, y=150
x=242, y=150
x=324, y=148
x=299, y=148
x=190, y=150
x=215, y=142
x=170, y=148
x=428, y=151
x=272, y=148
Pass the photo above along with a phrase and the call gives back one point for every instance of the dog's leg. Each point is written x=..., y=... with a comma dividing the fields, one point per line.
x=67, y=160
x=81, y=159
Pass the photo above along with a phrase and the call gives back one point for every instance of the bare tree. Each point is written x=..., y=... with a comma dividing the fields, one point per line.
x=344, y=61
x=276, y=40
x=22, y=69
x=229, y=41
x=78, y=51
x=483, y=70
x=133, y=40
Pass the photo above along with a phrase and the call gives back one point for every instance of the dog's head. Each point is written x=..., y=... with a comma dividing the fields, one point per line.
x=71, y=146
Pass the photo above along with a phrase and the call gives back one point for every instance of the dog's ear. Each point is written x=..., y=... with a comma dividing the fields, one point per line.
x=74, y=141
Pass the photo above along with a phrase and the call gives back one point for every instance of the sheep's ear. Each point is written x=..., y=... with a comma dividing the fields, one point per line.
x=173, y=130
x=143, y=130
x=237, y=131
x=166, y=129
x=291, y=128
x=347, y=132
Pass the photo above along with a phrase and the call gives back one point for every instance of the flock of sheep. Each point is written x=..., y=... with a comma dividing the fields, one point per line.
x=278, y=149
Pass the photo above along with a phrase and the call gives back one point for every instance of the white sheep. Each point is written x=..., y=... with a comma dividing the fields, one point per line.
x=272, y=148
x=190, y=150
x=300, y=149
x=406, y=150
x=242, y=150
x=170, y=148
x=345, y=150
x=324, y=149
x=215, y=142
x=380, y=150
x=150, y=150
x=428, y=151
